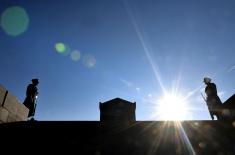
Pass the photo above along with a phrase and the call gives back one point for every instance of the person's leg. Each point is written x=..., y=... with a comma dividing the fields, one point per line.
x=219, y=116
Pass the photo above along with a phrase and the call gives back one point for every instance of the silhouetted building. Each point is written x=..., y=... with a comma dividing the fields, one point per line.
x=229, y=108
x=117, y=112
x=140, y=138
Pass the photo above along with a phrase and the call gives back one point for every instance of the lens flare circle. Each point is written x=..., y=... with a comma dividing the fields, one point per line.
x=89, y=60
x=75, y=55
x=60, y=47
x=14, y=21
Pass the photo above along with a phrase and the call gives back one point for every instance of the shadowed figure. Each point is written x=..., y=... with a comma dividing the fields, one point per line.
x=213, y=101
x=31, y=96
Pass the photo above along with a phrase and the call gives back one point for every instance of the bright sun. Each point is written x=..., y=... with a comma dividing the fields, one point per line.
x=172, y=107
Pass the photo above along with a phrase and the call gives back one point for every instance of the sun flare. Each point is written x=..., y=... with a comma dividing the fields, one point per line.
x=172, y=107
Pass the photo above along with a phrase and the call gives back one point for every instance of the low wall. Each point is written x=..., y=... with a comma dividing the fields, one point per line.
x=11, y=110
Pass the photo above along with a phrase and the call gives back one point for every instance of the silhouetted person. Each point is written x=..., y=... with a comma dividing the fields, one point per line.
x=213, y=101
x=31, y=95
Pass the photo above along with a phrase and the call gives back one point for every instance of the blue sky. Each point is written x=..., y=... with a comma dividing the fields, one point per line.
x=130, y=49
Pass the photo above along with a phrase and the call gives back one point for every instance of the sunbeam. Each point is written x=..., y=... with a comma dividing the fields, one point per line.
x=153, y=65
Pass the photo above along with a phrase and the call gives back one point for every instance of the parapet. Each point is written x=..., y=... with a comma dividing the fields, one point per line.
x=11, y=110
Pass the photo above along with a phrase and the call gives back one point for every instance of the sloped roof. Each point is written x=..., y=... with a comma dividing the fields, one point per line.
x=230, y=103
x=117, y=100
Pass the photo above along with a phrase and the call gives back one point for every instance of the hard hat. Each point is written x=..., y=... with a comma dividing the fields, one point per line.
x=207, y=79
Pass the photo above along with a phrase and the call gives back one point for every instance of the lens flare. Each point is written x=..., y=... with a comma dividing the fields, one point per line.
x=233, y=124
x=89, y=60
x=75, y=55
x=202, y=145
x=14, y=21
x=62, y=48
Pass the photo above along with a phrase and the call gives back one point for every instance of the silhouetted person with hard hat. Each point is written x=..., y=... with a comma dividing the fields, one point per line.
x=31, y=96
x=213, y=101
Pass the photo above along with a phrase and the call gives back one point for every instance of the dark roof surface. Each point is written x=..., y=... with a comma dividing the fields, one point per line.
x=115, y=100
x=143, y=137
x=230, y=102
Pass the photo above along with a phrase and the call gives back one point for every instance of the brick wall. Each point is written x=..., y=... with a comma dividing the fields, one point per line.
x=11, y=110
